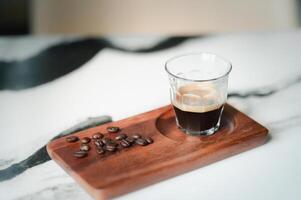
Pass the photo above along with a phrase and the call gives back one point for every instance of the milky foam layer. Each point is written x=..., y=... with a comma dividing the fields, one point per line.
x=198, y=97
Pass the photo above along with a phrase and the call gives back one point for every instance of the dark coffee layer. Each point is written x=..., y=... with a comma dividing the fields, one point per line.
x=196, y=122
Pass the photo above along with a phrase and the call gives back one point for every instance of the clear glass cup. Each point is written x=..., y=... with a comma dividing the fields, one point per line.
x=198, y=91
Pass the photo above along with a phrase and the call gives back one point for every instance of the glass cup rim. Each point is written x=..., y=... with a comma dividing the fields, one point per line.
x=199, y=53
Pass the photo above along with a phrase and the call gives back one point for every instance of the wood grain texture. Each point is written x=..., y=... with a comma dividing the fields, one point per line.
x=171, y=154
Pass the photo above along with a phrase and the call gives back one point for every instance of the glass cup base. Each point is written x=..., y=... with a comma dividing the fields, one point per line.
x=201, y=133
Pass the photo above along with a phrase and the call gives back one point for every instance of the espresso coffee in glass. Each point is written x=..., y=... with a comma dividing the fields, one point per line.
x=198, y=90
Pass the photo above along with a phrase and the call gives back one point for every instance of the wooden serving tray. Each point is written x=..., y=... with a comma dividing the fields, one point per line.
x=171, y=154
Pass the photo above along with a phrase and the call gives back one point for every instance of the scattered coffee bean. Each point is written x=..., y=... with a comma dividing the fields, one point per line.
x=98, y=143
x=85, y=147
x=106, y=140
x=80, y=154
x=85, y=140
x=149, y=140
x=110, y=148
x=136, y=136
x=111, y=144
x=141, y=142
x=97, y=136
x=130, y=140
x=72, y=139
x=100, y=151
x=113, y=129
x=104, y=144
x=120, y=137
x=125, y=143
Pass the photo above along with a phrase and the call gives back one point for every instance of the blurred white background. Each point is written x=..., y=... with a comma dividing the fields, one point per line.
x=173, y=17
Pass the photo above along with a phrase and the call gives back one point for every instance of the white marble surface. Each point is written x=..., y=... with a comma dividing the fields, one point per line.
x=123, y=84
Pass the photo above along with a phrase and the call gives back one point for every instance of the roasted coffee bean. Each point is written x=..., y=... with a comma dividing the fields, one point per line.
x=72, y=139
x=120, y=137
x=100, y=151
x=113, y=129
x=85, y=140
x=130, y=140
x=149, y=140
x=106, y=140
x=98, y=143
x=97, y=136
x=80, y=154
x=111, y=143
x=136, y=136
x=85, y=147
x=141, y=142
x=110, y=148
x=125, y=143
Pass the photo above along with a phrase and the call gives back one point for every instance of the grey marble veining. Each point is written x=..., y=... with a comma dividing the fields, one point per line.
x=41, y=156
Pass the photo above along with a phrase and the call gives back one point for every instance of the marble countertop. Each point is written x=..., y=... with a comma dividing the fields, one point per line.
x=265, y=83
